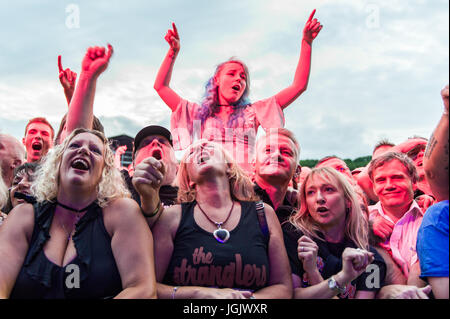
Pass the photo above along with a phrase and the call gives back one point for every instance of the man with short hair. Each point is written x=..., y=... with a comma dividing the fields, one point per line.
x=275, y=164
x=394, y=176
x=12, y=155
x=38, y=139
x=381, y=147
x=155, y=169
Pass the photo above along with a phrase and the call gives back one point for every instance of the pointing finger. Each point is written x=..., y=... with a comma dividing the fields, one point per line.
x=110, y=51
x=59, y=63
x=175, y=30
x=312, y=15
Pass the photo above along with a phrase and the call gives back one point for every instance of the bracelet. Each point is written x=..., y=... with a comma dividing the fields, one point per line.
x=174, y=291
x=156, y=211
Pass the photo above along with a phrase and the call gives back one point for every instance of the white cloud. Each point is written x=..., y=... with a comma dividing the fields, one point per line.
x=365, y=83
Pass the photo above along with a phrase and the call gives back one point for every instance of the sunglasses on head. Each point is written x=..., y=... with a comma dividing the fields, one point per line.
x=414, y=152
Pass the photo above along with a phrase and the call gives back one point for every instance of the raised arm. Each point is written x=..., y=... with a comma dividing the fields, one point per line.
x=117, y=156
x=67, y=79
x=81, y=113
x=435, y=159
x=164, y=75
x=298, y=86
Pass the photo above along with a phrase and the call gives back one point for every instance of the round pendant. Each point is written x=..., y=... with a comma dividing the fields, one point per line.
x=221, y=235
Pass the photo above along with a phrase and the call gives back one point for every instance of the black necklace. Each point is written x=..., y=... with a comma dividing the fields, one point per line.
x=73, y=209
x=220, y=234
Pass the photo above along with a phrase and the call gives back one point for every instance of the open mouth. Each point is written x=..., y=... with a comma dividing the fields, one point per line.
x=80, y=164
x=36, y=146
x=322, y=209
x=157, y=154
x=236, y=87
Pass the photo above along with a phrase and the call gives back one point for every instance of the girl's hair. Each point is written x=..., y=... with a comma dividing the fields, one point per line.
x=356, y=224
x=210, y=102
x=241, y=187
x=111, y=185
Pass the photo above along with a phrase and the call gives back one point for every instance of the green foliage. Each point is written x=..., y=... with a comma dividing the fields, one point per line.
x=352, y=164
x=308, y=162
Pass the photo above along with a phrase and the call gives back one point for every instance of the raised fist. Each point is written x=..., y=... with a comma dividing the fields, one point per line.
x=96, y=60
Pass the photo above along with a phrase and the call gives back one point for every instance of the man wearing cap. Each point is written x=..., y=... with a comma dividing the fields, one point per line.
x=155, y=168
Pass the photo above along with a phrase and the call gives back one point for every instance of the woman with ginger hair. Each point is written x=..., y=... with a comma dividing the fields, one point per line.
x=75, y=241
x=216, y=233
x=327, y=241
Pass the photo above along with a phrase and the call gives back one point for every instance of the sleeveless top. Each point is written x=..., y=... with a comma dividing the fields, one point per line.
x=198, y=259
x=91, y=274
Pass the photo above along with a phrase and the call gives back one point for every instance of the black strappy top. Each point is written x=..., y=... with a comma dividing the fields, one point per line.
x=91, y=274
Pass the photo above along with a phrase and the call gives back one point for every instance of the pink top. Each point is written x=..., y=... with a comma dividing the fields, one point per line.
x=402, y=242
x=239, y=140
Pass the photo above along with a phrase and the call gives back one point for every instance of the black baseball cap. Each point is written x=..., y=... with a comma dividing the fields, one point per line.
x=151, y=130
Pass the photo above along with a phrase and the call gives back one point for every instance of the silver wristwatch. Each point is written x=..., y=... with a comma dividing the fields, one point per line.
x=333, y=285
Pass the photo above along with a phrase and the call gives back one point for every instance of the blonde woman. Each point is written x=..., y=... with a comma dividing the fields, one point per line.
x=84, y=238
x=212, y=245
x=327, y=241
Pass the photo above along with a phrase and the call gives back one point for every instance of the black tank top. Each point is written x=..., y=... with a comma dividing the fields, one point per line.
x=199, y=260
x=95, y=263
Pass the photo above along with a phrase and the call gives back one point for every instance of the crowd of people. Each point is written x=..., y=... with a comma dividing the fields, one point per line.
x=236, y=218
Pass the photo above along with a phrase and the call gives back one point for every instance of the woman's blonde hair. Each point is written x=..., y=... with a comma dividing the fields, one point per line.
x=111, y=185
x=241, y=187
x=356, y=224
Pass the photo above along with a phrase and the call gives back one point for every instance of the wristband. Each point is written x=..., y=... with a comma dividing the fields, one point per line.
x=155, y=212
x=174, y=291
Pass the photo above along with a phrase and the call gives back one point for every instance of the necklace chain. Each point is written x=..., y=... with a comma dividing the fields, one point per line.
x=69, y=235
x=218, y=224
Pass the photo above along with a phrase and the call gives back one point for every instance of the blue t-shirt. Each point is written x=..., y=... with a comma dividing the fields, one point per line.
x=432, y=241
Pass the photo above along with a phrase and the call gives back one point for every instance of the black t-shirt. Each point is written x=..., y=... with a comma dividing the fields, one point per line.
x=329, y=262
x=198, y=259
x=283, y=211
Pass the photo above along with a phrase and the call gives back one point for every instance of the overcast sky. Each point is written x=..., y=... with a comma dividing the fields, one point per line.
x=377, y=66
